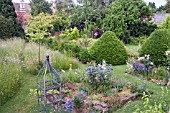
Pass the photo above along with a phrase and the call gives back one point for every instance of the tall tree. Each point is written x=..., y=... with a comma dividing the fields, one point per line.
x=160, y=9
x=127, y=18
x=63, y=4
x=40, y=6
x=153, y=6
x=8, y=11
x=6, y=28
x=167, y=6
x=91, y=11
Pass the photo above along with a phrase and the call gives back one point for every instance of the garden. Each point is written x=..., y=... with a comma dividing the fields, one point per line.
x=98, y=61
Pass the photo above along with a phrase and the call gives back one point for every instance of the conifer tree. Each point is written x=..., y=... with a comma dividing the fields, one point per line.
x=8, y=11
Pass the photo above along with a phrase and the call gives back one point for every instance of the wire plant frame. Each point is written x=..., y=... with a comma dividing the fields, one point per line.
x=49, y=88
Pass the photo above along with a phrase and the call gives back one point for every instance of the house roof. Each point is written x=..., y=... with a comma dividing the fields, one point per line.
x=158, y=18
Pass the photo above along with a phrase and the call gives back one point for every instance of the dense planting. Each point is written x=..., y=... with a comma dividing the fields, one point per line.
x=127, y=18
x=109, y=48
x=17, y=62
x=85, y=43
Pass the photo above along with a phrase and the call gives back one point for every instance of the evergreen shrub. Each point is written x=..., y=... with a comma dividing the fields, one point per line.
x=156, y=45
x=6, y=28
x=109, y=48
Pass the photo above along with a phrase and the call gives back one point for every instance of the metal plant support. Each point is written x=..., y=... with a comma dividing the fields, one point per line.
x=49, y=88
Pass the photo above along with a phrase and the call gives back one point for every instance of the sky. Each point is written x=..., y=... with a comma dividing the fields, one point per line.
x=157, y=2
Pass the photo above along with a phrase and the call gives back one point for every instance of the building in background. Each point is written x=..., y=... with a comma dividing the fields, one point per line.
x=158, y=18
x=22, y=10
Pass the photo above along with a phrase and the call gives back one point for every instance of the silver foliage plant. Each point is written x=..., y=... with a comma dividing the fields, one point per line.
x=99, y=75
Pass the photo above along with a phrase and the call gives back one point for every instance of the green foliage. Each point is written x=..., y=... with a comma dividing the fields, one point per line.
x=99, y=77
x=166, y=23
x=6, y=28
x=8, y=11
x=49, y=42
x=160, y=9
x=167, y=7
x=134, y=40
x=156, y=108
x=40, y=6
x=156, y=45
x=71, y=48
x=40, y=26
x=12, y=68
x=10, y=80
x=84, y=55
x=161, y=73
x=91, y=12
x=74, y=50
x=71, y=34
x=152, y=6
x=62, y=5
x=142, y=40
x=109, y=48
x=61, y=21
x=127, y=18
x=78, y=100
x=71, y=76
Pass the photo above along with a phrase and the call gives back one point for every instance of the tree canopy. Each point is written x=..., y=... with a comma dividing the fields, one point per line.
x=8, y=11
x=127, y=18
x=153, y=6
x=40, y=26
x=167, y=6
x=40, y=6
x=6, y=28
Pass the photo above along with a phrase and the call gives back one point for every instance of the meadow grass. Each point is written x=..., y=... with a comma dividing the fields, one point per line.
x=18, y=59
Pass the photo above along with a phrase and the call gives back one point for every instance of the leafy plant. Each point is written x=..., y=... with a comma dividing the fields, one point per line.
x=84, y=55
x=71, y=76
x=99, y=76
x=79, y=99
x=39, y=27
x=156, y=108
x=71, y=34
x=109, y=48
x=71, y=48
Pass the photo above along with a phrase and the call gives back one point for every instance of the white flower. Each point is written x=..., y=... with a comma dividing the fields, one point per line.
x=148, y=57
x=63, y=71
x=167, y=53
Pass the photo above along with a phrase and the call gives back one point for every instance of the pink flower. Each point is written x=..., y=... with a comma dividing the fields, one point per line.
x=141, y=58
x=68, y=100
x=83, y=95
